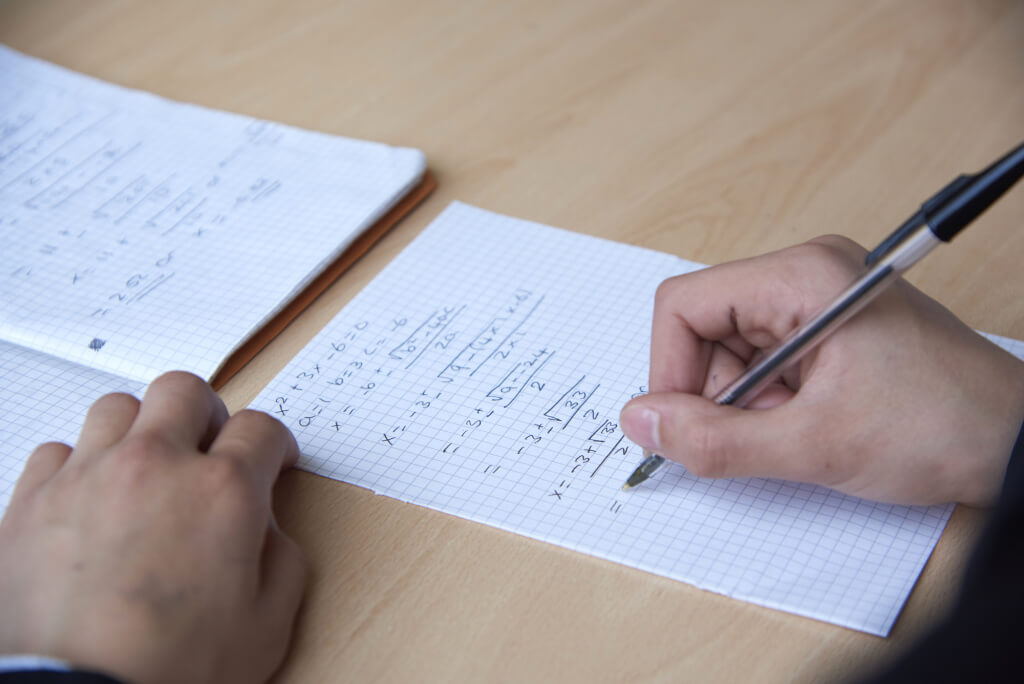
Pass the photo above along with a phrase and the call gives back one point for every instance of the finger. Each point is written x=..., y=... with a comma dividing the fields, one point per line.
x=282, y=584
x=724, y=441
x=758, y=300
x=41, y=465
x=261, y=442
x=283, y=572
x=183, y=409
x=107, y=422
x=725, y=366
x=740, y=347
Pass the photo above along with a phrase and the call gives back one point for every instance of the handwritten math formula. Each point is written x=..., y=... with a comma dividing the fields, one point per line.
x=96, y=210
x=143, y=235
x=474, y=388
x=482, y=374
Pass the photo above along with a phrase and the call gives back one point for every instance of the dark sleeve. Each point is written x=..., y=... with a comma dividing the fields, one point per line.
x=982, y=638
x=55, y=677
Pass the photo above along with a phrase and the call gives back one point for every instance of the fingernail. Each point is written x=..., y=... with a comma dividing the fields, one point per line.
x=641, y=425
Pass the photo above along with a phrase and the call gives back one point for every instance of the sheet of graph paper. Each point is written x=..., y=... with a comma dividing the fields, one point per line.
x=141, y=235
x=47, y=401
x=482, y=374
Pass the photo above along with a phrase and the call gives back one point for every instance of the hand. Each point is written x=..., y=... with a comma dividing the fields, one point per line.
x=150, y=551
x=902, y=404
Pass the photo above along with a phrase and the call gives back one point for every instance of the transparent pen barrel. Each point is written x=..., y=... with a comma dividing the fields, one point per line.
x=855, y=297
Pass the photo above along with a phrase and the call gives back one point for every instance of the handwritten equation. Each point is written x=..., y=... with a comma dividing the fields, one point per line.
x=473, y=386
x=90, y=208
x=142, y=235
x=482, y=374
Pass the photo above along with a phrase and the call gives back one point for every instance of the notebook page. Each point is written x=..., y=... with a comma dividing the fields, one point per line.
x=482, y=373
x=52, y=398
x=142, y=235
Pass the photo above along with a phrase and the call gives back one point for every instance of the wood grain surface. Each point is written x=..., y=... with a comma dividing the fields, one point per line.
x=714, y=130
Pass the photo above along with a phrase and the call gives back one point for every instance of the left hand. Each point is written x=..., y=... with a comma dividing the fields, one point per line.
x=149, y=551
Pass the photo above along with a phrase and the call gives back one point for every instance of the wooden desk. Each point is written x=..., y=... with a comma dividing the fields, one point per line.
x=713, y=130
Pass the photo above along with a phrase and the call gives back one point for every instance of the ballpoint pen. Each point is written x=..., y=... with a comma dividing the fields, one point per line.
x=939, y=219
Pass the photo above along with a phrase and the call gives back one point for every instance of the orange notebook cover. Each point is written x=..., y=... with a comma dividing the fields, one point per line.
x=358, y=248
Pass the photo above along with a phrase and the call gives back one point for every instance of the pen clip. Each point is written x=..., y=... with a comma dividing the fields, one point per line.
x=918, y=218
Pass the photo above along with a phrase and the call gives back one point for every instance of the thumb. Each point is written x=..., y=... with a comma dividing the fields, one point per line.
x=719, y=441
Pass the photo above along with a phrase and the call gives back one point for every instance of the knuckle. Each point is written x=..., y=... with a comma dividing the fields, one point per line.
x=838, y=243
x=115, y=402
x=259, y=421
x=226, y=473
x=136, y=457
x=255, y=430
x=809, y=269
x=668, y=290
x=816, y=250
x=45, y=449
x=835, y=249
x=180, y=381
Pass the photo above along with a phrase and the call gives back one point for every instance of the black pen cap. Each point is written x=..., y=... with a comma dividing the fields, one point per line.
x=974, y=195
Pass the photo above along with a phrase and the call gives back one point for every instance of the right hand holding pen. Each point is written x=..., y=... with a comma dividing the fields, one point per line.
x=903, y=404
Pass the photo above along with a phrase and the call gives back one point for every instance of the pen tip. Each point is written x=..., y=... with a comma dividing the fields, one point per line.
x=650, y=464
x=636, y=478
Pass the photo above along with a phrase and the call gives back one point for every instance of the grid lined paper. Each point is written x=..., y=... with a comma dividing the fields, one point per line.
x=142, y=235
x=482, y=373
x=53, y=397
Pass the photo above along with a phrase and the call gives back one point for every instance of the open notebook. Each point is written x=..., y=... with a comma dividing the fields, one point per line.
x=482, y=373
x=142, y=235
